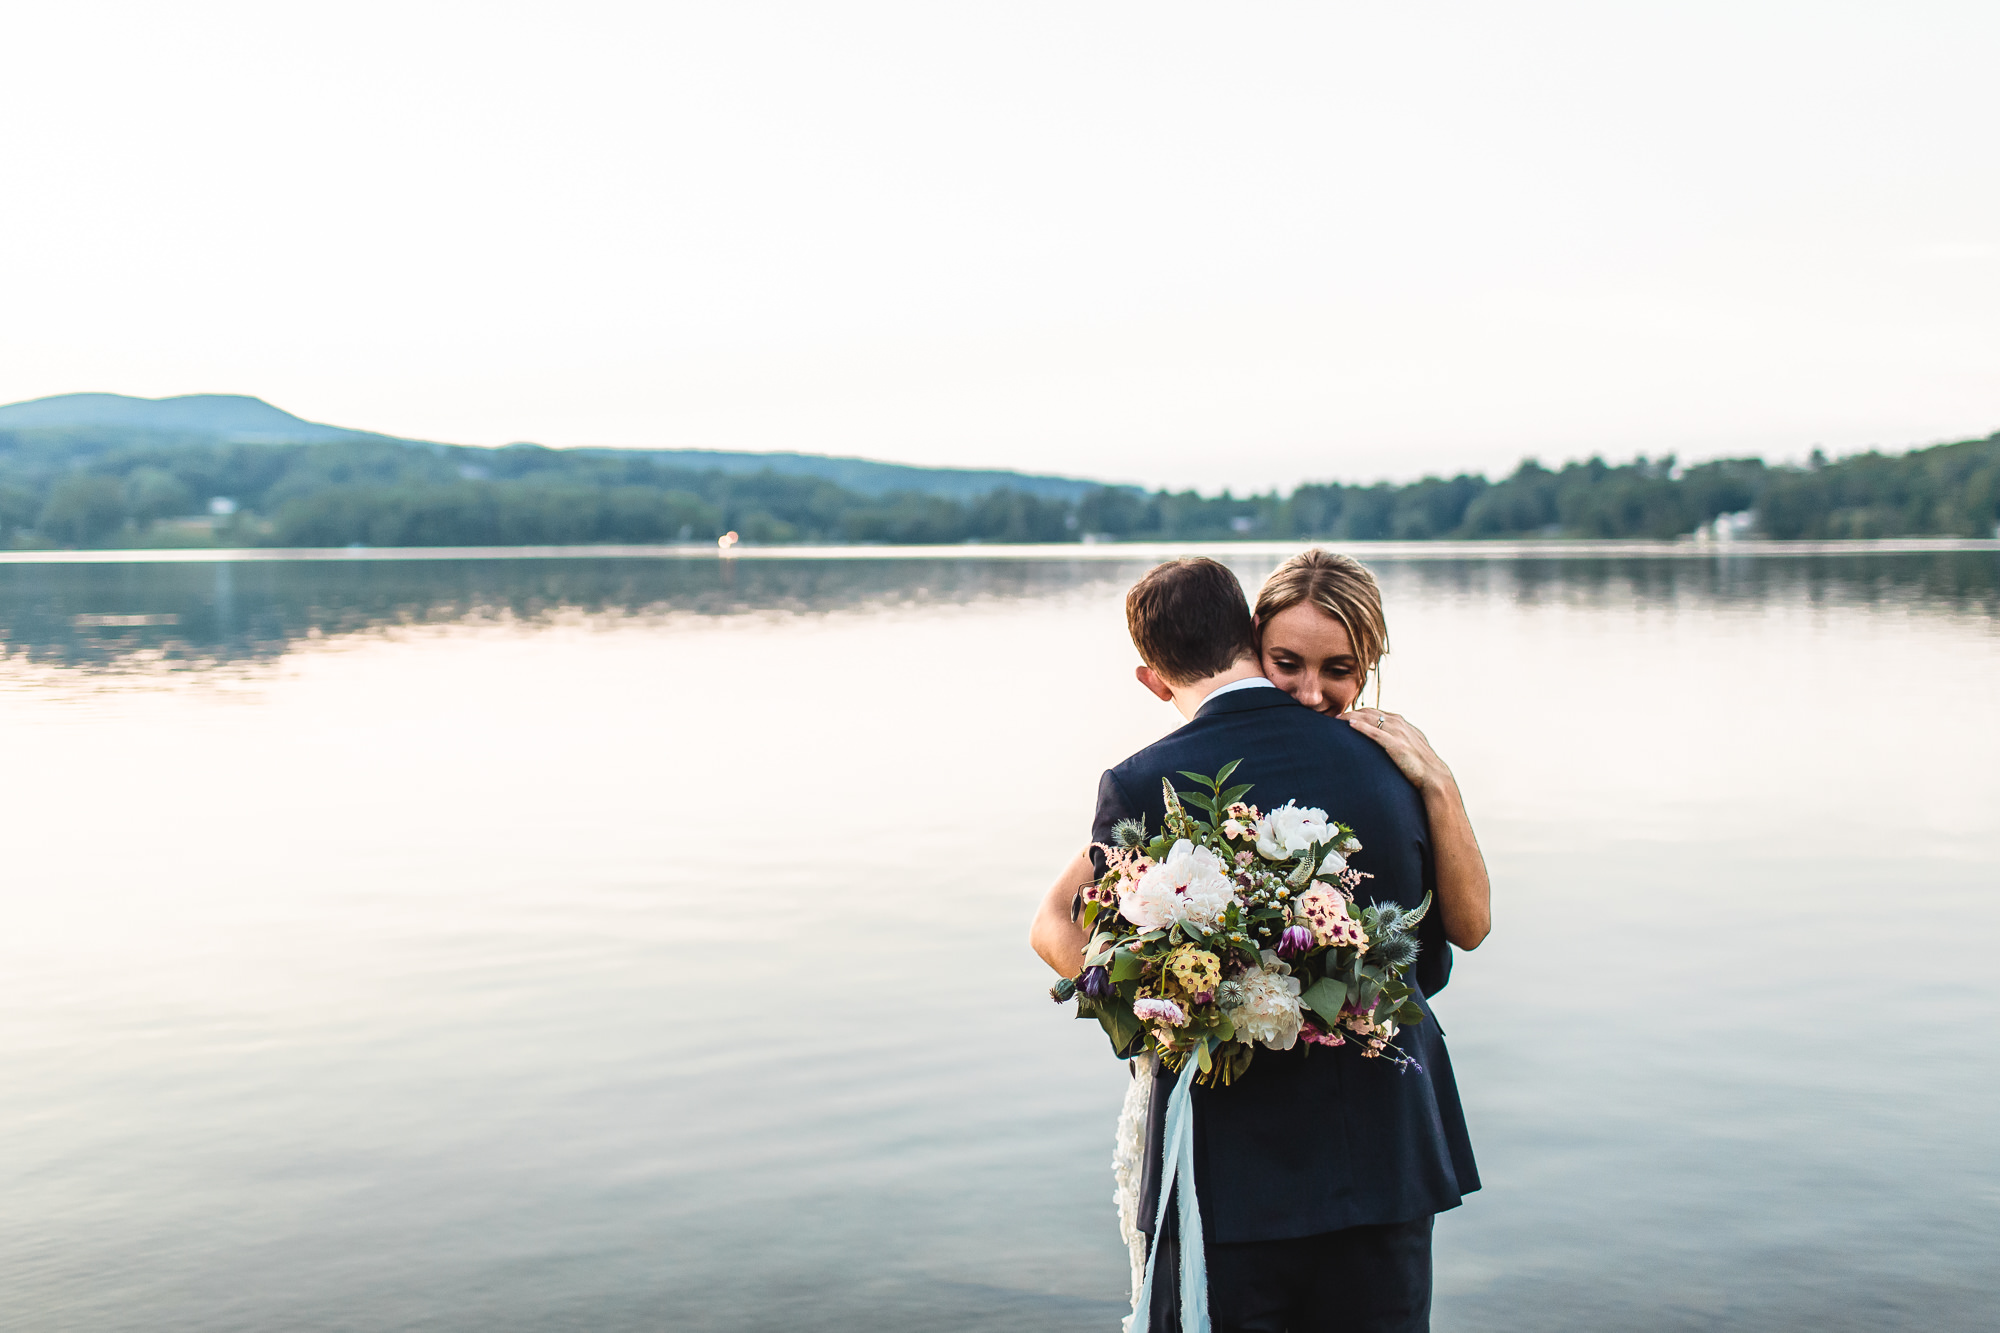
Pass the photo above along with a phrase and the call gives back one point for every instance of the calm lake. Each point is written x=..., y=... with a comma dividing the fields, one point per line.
x=620, y=944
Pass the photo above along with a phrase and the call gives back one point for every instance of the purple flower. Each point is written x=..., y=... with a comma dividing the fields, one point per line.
x=1295, y=941
x=1095, y=982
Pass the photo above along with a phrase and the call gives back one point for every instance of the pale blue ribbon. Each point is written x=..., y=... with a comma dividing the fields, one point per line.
x=1177, y=1169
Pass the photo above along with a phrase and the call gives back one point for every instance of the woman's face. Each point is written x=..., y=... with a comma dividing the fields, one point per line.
x=1307, y=655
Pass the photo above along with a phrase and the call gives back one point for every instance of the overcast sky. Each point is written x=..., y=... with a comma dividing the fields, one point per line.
x=1220, y=244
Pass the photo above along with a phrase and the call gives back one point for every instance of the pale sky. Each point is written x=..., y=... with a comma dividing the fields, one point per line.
x=1223, y=244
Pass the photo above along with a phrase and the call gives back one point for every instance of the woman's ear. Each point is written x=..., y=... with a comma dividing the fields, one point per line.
x=1152, y=681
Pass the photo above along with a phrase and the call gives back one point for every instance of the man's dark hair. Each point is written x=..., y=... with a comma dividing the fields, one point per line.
x=1190, y=620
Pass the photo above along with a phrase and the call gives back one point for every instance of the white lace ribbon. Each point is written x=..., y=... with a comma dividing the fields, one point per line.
x=1177, y=1170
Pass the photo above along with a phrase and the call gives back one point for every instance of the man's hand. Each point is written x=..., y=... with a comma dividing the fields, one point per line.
x=1056, y=935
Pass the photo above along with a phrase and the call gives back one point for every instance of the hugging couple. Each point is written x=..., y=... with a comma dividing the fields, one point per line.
x=1320, y=1170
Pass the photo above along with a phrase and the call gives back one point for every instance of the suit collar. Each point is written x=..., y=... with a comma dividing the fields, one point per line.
x=1244, y=701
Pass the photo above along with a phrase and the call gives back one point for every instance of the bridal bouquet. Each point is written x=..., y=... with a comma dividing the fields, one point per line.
x=1237, y=930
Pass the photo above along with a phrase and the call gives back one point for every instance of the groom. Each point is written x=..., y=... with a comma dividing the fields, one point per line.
x=1320, y=1170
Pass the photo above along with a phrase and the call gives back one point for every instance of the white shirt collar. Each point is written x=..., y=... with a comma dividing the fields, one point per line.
x=1247, y=683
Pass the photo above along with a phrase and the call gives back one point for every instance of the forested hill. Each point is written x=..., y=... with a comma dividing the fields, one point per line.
x=225, y=471
x=85, y=424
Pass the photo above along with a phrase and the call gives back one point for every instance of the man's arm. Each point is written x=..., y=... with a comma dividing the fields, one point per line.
x=1055, y=935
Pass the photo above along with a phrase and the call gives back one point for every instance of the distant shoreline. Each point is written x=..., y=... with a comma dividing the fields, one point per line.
x=1553, y=549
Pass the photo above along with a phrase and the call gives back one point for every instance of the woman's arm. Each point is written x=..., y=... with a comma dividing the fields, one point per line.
x=1055, y=935
x=1465, y=895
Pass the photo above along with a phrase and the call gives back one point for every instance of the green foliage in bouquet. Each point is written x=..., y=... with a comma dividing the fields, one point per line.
x=1233, y=928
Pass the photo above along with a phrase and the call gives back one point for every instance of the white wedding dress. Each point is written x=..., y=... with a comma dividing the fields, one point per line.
x=1128, y=1165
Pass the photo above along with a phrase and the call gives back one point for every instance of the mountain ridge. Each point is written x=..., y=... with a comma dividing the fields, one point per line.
x=245, y=419
x=232, y=417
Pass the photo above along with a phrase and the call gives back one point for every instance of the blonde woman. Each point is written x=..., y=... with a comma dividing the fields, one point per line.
x=1321, y=634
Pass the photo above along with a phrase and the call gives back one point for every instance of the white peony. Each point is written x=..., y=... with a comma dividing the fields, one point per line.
x=1333, y=865
x=1191, y=884
x=1264, y=1004
x=1288, y=831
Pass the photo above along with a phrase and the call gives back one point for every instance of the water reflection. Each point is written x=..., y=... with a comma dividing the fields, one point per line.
x=176, y=617
x=1949, y=582
x=523, y=976
x=99, y=617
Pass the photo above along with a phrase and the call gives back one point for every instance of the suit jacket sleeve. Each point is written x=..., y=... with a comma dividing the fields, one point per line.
x=1112, y=805
x=1433, y=967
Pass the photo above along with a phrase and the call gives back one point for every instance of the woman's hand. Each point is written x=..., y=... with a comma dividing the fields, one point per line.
x=1406, y=747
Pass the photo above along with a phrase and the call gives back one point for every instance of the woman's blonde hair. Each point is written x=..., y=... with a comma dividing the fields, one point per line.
x=1343, y=588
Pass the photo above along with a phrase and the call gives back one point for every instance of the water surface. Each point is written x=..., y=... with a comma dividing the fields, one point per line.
x=594, y=944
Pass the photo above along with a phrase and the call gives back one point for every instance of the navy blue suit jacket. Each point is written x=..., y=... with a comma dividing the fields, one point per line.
x=1316, y=1138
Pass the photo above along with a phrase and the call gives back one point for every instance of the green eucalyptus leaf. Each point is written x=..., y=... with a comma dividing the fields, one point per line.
x=1325, y=997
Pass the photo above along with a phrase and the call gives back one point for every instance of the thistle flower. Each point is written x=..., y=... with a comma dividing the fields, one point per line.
x=1129, y=833
x=1397, y=951
x=1095, y=982
x=1295, y=941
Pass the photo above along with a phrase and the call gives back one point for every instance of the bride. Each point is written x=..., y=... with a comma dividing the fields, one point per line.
x=1321, y=634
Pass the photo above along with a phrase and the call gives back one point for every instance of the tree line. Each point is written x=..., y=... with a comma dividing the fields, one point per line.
x=61, y=489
